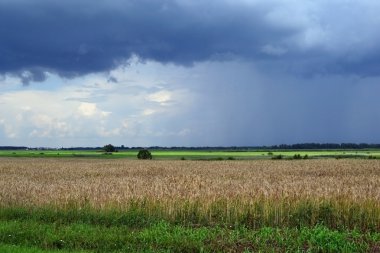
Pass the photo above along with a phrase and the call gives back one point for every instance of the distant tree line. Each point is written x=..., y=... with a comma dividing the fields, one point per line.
x=12, y=148
x=299, y=146
x=325, y=146
x=302, y=146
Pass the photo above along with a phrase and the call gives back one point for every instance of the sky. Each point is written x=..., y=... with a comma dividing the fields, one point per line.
x=189, y=72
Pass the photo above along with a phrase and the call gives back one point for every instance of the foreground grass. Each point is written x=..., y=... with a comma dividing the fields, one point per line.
x=4, y=248
x=23, y=230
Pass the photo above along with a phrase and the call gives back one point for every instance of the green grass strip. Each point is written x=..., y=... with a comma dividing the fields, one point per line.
x=196, y=154
x=166, y=237
x=19, y=249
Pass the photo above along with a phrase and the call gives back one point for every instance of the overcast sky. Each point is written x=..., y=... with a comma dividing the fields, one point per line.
x=189, y=72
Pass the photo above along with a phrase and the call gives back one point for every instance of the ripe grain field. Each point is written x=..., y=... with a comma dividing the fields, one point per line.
x=327, y=194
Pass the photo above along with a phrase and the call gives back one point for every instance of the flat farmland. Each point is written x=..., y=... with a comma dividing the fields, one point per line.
x=123, y=205
x=195, y=154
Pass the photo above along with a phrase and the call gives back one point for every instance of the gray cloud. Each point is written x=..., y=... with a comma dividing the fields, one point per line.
x=73, y=38
x=209, y=104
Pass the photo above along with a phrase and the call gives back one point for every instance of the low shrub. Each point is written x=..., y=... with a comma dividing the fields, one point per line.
x=297, y=156
x=277, y=157
x=144, y=154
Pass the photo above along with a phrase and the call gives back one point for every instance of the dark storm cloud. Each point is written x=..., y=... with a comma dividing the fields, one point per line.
x=73, y=38
x=78, y=37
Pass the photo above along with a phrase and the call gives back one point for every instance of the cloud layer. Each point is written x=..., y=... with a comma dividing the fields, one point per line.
x=74, y=38
x=189, y=73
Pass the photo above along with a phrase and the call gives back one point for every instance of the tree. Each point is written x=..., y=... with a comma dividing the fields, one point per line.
x=144, y=154
x=109, y=148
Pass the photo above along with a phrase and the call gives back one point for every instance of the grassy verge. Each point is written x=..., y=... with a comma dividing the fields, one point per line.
x=4, y=248
x=166, y=237
x=88, y=230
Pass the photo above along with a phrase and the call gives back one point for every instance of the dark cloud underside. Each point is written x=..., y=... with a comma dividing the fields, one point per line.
x=79, y=37
x=76, y=38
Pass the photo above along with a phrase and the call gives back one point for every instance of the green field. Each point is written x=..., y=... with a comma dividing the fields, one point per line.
x=196, y=155
x=46, y=230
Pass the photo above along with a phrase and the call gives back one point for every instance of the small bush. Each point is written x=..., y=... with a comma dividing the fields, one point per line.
x=231, y=158
x=144, y=154
x=297, y=156
x=277, y=157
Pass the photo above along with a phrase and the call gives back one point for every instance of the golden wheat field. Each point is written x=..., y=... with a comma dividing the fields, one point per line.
x=273, y=190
